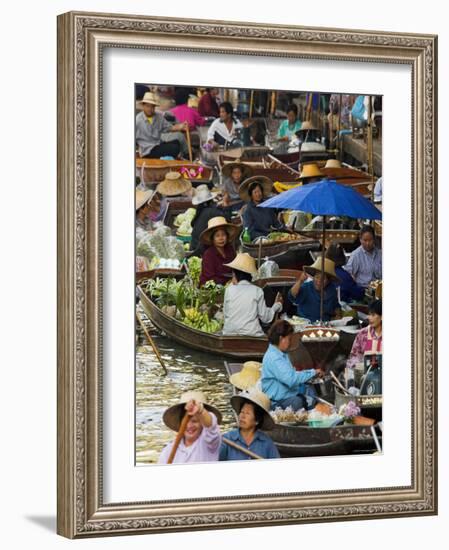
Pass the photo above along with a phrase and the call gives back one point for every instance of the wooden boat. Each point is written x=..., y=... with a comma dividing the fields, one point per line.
x=347, y=238
x=287, y=254
x=303, y=440
x=154, y=170
x=244, y=347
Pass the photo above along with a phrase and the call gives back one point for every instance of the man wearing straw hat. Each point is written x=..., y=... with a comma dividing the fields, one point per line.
x=198, y=435
x=143, y=209
x=248, y=440
x=150, y=125
x=244, y=306
x=306, y=296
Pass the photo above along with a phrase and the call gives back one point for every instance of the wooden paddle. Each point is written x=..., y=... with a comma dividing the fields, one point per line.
x=189, y=143
x=339, y=384
x=242, y=449
x=152, y=343
x=179, y=436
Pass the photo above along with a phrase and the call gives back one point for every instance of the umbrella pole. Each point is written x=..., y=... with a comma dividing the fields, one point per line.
x=323, y=244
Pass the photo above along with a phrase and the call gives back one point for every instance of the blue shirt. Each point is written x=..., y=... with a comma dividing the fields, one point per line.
x=365, y=266
x=279, y=378
x=262, y=445
x=349, y=289
x=261, y=221
x=308, y=301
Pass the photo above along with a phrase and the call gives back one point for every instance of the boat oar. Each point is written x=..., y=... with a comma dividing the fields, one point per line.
x=241, y=449
x=189, y=143
x=339, y=384
x=179, y=436
x=152, y=343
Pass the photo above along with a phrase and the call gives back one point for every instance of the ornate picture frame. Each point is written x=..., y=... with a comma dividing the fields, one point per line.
x=82, y=38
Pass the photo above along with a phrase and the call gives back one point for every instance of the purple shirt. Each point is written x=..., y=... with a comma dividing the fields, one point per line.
x=204, y=449
x=184, y=113
x=213, y=268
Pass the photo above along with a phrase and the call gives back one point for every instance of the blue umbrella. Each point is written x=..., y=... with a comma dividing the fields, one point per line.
x=325, y=198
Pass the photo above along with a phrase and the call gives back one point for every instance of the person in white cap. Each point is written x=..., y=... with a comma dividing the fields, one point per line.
x=206, y=209
x=150, y=125
x=244, y=306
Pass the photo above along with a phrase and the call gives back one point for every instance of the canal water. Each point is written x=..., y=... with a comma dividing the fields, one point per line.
x=187, y=370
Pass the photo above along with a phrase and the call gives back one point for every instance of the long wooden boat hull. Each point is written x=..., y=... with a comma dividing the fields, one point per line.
x=244, y=347
x=155, y=170
x=348, y=238
x=288, y=255
x=301, y=441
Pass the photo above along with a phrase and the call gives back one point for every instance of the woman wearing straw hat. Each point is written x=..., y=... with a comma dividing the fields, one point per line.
x=252, y=408
x=206, y=209
x=150, y=126
x=259, y=221
x=143, y=209
x=218, y=237
x=349, y=289
x=284, y=385
x=244, y=306
x=306, y=295
x=174, y=184
x=310, y=173
x=199, y=436
x=248, y=377
x=234, y=174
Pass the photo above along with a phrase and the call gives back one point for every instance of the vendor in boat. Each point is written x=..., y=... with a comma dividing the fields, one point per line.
x=350, y=291
x=143, y=209
x=174, y=185
x=234, y=174
x=284, y=385
x=259, y=221
x=244, y=305
x=252, y=408
x=289, y=126
x=365, y=262
x=368, y=340
x=206, y=209
x=201, y=439
x=150, y=125
x=184, y=112
x=218, y=237
x=310, y=173
x=222, y=131
x=306, y=295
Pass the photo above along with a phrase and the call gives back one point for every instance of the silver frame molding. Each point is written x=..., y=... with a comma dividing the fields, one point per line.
x=81, y=39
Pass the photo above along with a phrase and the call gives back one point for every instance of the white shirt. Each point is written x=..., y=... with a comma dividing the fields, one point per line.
x=221, y=128
x=244, y=308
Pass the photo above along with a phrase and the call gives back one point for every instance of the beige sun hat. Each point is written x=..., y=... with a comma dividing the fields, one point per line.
x=142, y=197
x=219, y=222
x=151, y=98
x=173, y=415
x=307, y=125
x=266, y=183
x=248, y=376
x=173, y=184
x=261, y=401
x=246, y=170
x=243, y=262
x=332, y=163
x=201, y=194
x=310, y=171
x=193, y=101
x=329, y=268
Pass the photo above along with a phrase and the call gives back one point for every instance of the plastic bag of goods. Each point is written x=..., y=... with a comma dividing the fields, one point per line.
x=162, y=244
x=268, y=269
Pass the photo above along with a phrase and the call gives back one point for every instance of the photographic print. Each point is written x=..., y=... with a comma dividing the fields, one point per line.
x=259, y=273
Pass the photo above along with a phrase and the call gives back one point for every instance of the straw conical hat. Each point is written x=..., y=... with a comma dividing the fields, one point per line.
x=247, y=377
x=173, y=184
x=151, y=98
x=329, y=268
x=265, y=182
x=143, y=197
x=219, y=222
x=201, y=194
x=243, y=262
x=307, y=125
x=310, y=171
x=173, y=415
x=246, y=170
x=261, y=401
x=332, y=163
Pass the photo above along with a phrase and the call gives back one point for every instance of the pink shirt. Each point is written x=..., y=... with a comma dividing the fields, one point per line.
x=183, y=113
x=366, y=341
x=205, y=448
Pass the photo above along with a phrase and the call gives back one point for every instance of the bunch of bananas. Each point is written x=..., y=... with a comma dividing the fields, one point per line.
x=281, y=187
x=200, y=321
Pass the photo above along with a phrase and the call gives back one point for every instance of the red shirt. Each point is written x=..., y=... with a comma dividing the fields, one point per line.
x=212, y=268
x=208, y=106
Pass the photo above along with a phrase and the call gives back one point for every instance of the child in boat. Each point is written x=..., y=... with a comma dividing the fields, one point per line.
x=244, y=305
